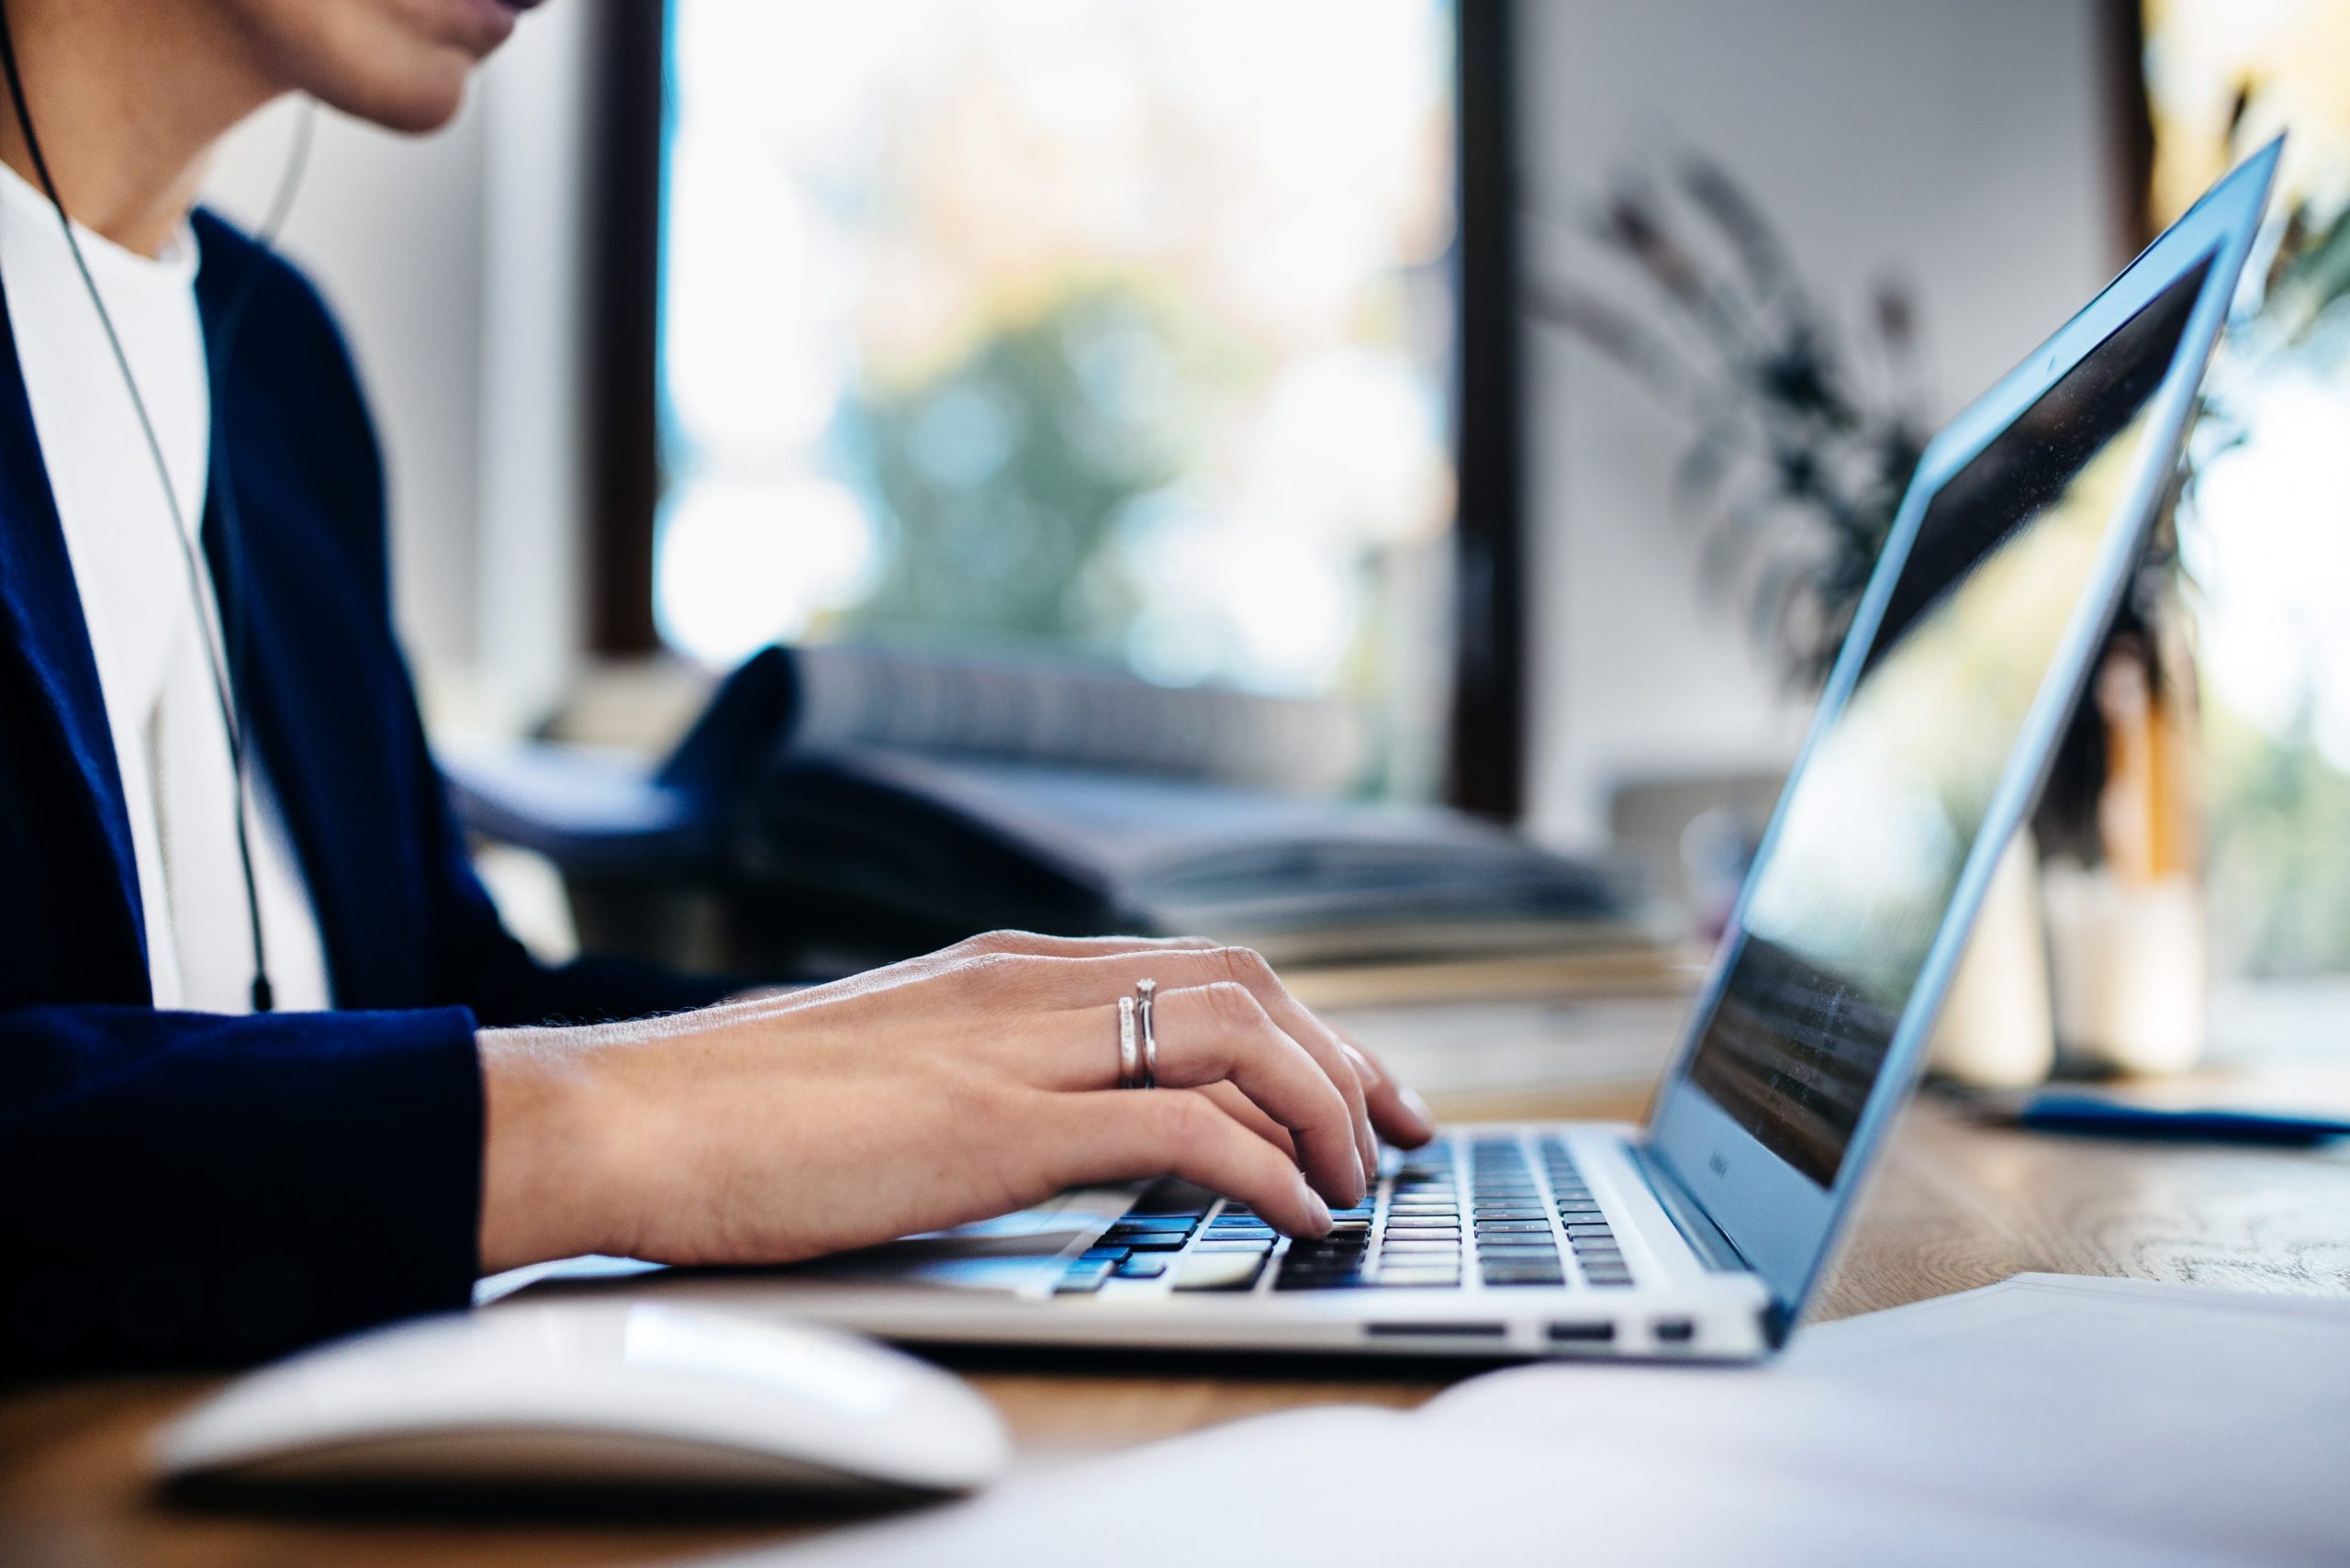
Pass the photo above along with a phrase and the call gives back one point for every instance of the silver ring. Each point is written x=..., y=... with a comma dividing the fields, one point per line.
x=1129, y=1051
x=1147, y=992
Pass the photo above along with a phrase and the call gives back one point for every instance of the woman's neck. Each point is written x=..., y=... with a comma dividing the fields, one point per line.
x=128, y=98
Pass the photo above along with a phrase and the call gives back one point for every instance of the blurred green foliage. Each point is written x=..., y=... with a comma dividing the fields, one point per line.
x=999, y=485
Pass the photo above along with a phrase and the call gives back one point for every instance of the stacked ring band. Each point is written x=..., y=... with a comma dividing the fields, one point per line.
x=1146, y=993
x=1129, y=1047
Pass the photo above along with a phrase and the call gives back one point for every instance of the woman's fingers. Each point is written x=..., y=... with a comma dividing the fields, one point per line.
x=1033, y=944
x=989, y=948
x=1212, y=1033
x=1250, y=969
x=1099, y=979
x=1112, y=1136
x=1240, y=1108
x=1401, y=1116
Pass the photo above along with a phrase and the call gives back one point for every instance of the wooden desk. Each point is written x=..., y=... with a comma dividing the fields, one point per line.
x=1955, y=1205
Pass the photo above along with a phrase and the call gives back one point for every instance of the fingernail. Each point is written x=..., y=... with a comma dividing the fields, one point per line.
x=1419, y=1108
x=1316, y=1210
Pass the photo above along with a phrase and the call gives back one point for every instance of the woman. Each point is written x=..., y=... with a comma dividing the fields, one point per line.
x=215, y=797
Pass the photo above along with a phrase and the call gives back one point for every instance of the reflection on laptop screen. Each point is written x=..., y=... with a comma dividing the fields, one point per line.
x=1873, y=840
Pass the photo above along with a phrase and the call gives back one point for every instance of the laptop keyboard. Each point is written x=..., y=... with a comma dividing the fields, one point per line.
x=1461, y=1210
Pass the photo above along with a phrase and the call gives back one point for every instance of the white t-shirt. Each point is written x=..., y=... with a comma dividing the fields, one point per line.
x=170, y=745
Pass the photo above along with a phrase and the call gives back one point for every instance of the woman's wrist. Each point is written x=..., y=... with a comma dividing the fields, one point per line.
x=543, y=1135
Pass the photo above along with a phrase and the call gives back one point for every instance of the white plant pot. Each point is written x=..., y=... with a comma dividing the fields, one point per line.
x=1997, y=1028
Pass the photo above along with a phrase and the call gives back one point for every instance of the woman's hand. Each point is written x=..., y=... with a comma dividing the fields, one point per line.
x=950, y=1088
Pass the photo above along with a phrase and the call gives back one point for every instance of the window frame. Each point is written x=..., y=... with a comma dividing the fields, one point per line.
x=1486, y=746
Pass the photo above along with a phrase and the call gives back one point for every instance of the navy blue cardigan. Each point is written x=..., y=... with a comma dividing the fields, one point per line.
x=182, y=1187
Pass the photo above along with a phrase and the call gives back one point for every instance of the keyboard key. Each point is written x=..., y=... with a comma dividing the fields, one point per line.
x=1174, y=1198
x=1218, y=1244
x=1156, y=1222
x=1410, y=1279
x=1142, y=1268
x=1103, y=1255
x=1513, y=1227
x=1219, y=1271
x=1149, y=1241
x=1081, y=1277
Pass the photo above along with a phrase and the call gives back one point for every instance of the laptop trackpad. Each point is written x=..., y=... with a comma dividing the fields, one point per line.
x=1022, y=1252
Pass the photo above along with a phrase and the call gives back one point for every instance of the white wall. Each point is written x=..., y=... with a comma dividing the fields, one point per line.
x=453, y=261
x=1963, y=142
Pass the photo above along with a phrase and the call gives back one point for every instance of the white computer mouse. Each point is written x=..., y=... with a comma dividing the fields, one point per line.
x=594, y=1393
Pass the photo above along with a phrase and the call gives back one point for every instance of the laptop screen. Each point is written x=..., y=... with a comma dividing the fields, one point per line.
x=1872, y=841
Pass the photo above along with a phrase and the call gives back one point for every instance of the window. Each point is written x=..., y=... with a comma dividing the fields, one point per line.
x=1114, y=329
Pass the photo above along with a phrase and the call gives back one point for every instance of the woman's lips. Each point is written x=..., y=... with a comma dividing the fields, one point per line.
x=489, y=23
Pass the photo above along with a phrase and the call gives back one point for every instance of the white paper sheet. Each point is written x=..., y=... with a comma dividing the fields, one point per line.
x=2045, y=1420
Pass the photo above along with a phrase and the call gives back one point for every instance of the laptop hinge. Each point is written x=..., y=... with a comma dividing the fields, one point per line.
x=1704, y=1238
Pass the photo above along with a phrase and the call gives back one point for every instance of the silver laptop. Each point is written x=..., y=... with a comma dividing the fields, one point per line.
x=1701, y=1235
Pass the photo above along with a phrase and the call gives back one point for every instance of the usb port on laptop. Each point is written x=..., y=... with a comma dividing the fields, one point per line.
x=1592, y=1333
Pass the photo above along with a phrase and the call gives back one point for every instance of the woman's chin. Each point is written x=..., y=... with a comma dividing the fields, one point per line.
x=411, y=103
